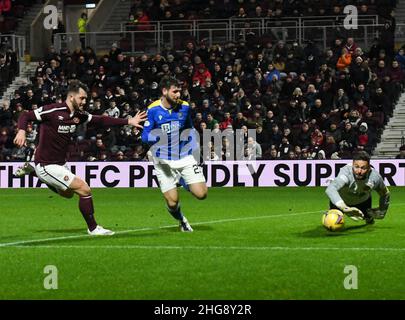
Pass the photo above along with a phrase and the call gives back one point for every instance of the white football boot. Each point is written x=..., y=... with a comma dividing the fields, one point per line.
x=25, y=169
x=100, y=231
x=185, y=226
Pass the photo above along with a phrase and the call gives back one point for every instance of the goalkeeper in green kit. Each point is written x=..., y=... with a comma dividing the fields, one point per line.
x=350, y=191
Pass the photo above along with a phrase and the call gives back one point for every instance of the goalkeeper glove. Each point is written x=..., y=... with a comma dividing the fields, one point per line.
x=352, y=212
x=376, y=213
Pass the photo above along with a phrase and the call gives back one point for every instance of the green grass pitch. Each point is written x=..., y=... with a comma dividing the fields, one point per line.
x=249, y=243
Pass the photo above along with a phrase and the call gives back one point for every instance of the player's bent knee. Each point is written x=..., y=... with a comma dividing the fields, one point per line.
x=201, y=196
x=80, y=187
x=201, y=193
x=85, y=191
x=172, y=205
x=172, y=202
x=68, y=194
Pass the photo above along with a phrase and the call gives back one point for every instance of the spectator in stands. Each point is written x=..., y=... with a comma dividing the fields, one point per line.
x=380, y=102
x=397, y=75
x=201, y=75
x=253, y=150
x=344, y=61
x=82, y=27
x=362, y=93
x=226, y=121
x=350, y=46
x=253, y=83
x=362, y=138
x=400, y=57
x=272, y=74
x=359, y=71
x=388, y=33
x=59, y=29
x=6, y=115
x=401, y=154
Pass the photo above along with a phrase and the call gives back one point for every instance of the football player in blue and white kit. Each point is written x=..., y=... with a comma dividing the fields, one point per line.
x=351, y=190
x=174, y=148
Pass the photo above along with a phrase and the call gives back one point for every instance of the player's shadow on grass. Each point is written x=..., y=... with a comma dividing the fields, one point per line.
x=77, y=230
x=321, y=232
x=195, y=228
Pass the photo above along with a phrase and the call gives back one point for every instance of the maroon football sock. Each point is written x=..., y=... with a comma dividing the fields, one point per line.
x=87, y=209
x=33, y=174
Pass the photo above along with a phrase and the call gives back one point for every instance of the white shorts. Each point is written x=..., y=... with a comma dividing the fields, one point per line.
x=169, y=172
x=55, y=175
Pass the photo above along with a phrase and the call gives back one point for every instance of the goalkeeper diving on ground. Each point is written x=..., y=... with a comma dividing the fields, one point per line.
x=351, y=190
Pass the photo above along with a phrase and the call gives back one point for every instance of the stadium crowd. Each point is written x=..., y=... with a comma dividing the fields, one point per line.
x=163, y=10
x=304, y=103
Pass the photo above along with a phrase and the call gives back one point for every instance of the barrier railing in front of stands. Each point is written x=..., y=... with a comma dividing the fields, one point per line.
x=231, y=22
x=16, y=43
x=154, y=41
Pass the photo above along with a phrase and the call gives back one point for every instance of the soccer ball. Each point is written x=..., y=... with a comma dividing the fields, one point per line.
x=333, y=220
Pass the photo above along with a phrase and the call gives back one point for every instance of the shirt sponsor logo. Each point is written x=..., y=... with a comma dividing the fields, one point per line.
x=66, y=129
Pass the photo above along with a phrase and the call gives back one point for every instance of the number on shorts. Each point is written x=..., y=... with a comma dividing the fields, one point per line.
x=197, y=169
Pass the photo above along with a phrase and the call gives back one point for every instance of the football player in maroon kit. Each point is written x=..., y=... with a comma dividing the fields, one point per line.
x=58, y=124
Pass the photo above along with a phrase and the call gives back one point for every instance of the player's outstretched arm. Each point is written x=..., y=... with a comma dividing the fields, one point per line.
x=25, y=117
x=106, y=121
x=139, y=117
x=332, y=192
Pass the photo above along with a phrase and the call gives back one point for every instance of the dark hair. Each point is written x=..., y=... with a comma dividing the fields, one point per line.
x=75, y=86
x=361, y=155
x=167, y=82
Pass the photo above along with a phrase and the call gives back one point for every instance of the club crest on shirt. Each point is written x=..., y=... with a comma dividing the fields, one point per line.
x=180, y=115
x=66, y=178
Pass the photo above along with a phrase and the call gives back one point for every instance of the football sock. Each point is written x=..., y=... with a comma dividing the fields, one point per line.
x=33, y=174
x=87, y=209
x=176, y=213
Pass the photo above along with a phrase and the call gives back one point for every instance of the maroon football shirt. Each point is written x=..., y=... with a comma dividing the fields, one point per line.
x=58, y=125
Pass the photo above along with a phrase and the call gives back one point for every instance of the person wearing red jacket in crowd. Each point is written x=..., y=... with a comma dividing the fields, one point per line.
x=142, y=20
x=362, y=138
x=226, y=122
x=317, y=137
x=5, y=6
x=201, y=74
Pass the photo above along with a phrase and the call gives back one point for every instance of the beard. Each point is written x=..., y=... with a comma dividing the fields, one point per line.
x=75, y=105
x=360, y=177
x=172, y=102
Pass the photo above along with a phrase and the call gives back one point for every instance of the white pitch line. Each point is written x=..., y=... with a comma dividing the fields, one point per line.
x=24, y=242
x=158, y=247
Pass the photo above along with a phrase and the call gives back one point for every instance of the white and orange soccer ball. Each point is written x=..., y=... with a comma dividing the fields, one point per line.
x=333, y=220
